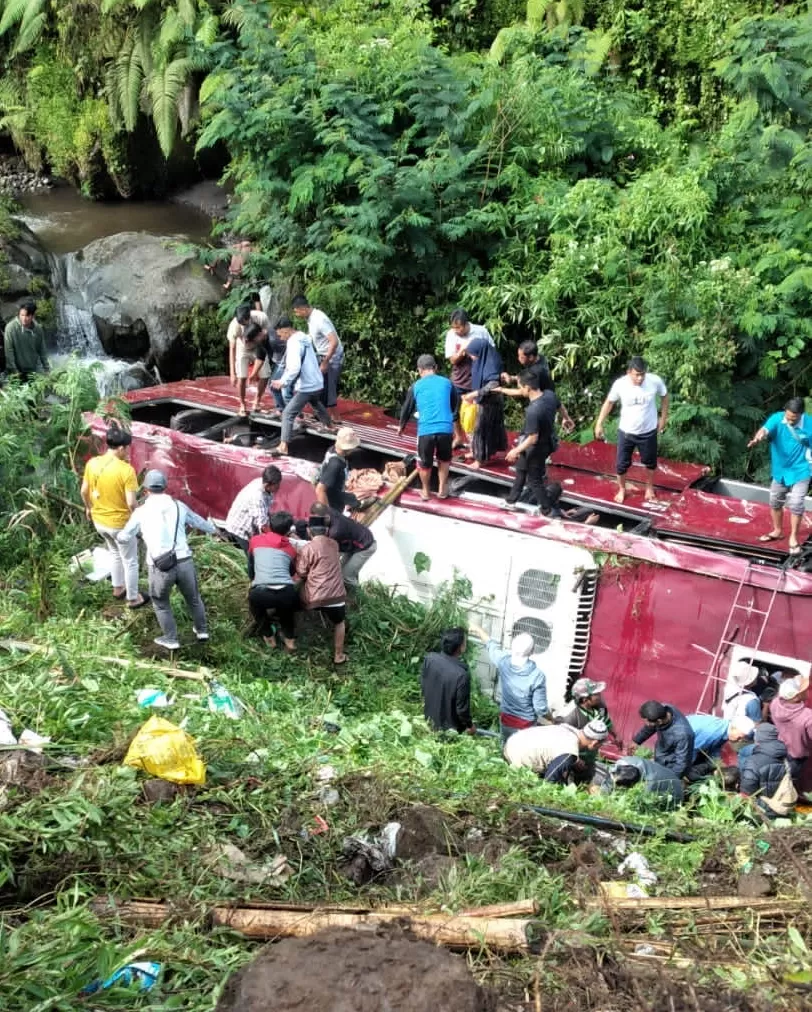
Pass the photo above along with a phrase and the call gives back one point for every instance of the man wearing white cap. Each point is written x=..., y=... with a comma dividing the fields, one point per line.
x=710, y=735
x=162, y=523
x=522, y=684
x=552, y=750
x=738, y=700
x=793, y=719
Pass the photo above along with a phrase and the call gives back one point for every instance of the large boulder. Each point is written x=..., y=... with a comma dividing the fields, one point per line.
x=137, y=287
x=25, y=269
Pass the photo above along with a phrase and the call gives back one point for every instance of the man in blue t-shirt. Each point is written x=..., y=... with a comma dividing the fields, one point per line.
x=790, y=435
x=435, y=400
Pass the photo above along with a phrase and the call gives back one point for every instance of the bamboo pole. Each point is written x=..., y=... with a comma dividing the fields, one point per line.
x=691, y=903
x=391, y=496
x=199, y=674
x=458, y=932
x=520, y=908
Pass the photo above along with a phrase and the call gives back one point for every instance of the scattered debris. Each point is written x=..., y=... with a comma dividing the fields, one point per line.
x=94, y=564
x=6, y=734
x=638, y=866
x=329, y=796
x=325, y=774
x=152, y=697
x=159, y=791
x=165, y=750
x=755, y=883
x=221, y=701
x=370, y=856
x=144, y=974
x=234, y=864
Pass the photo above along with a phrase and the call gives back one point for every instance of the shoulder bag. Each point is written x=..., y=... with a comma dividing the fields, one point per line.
x=169, y=560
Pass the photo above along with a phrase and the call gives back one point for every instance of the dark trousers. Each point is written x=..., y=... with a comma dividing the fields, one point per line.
x=282, y=603
x=701, y=768
x=531, y=469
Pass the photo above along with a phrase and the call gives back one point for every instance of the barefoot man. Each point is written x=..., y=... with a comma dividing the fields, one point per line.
x=789, y=433
x=637, y=392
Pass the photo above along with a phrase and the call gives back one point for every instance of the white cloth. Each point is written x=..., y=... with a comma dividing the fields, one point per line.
x=155, y=521
x=536, y=747
x=453, y=342
x=319, y=327
x=638, y=404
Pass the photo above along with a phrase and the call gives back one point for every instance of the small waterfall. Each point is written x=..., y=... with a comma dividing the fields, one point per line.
x=77, y=337
x=76, y=331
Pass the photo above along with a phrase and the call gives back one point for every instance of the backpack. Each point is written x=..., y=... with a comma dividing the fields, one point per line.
x=783, y=800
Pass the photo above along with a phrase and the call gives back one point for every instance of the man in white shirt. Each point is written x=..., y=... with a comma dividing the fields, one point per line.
x=456, y=341
x=162, y=523
x=240, y=358
x=552, y=750
x=329, y=349
x=302, y=370
x=637, y=392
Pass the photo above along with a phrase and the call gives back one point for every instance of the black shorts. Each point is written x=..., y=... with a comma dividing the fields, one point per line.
x=335, y=614
x=427, y=446
x=627, y=443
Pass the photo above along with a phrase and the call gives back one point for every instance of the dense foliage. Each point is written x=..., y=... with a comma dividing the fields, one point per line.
x=608, y=178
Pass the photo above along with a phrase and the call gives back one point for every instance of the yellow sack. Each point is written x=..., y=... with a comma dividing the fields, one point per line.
x=165, y=750
x=467, y=416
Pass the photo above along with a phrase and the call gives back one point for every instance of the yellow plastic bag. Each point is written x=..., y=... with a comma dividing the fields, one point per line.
x=165, y=750
x=467, y=416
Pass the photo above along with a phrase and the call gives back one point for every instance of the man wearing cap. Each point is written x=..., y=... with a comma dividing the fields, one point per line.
x=710, y=735
x=248, y=514
x=587, y=704
x=523, y=686
x=335, y=470
x=793, y=719
x=738, y=698
x=162, y=523
x=552, y=750
x=675, y=736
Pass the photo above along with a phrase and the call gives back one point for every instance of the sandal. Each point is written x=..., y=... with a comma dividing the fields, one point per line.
x=340, y=660
x=269, y=641
x=770, y=537
x=119, y=597
x=794, y=549
x=242, y=413
x=145, y=599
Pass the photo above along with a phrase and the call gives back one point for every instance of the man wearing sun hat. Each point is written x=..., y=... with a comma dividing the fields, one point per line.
x=738, y=699
x=793, y=719
x=334, y=471
x=552, y=750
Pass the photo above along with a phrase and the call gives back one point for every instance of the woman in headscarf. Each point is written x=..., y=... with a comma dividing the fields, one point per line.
x=523, y=685
x=489, y=436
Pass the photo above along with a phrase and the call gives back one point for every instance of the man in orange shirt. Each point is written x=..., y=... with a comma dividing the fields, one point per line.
x=108, y=492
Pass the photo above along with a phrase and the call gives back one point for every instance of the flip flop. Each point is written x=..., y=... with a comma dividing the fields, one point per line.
x=794, y=549
x=770, y=537
x=145, y=599
x=242, y=413
x=340, y=660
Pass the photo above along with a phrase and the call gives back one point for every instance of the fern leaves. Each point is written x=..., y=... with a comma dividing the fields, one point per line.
x=166, y=85
x=29, y=16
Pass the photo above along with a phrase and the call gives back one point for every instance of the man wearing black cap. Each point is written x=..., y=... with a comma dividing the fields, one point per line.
x=162, y=523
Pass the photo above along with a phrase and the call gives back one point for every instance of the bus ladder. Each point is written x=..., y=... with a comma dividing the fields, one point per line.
x=727, y=641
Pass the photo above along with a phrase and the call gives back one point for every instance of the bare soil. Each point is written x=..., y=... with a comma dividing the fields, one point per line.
x=355, y=971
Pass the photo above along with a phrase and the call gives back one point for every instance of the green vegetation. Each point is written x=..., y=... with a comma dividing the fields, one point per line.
x=71, y=833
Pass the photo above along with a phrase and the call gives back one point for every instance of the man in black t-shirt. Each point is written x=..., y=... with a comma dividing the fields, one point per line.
x=356, y=543
x=335, y=471
x=531, y=361
x=531, y=452
x=259, y=343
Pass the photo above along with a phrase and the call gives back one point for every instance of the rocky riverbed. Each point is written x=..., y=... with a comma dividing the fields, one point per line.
x=17, y=178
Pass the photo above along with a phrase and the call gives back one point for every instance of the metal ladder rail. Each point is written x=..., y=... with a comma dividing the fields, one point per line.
x=713, y=678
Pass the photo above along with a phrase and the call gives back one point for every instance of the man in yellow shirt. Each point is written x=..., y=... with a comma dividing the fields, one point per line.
x=108, y=492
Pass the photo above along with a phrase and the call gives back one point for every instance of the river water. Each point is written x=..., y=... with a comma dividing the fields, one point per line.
x=64, y=221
